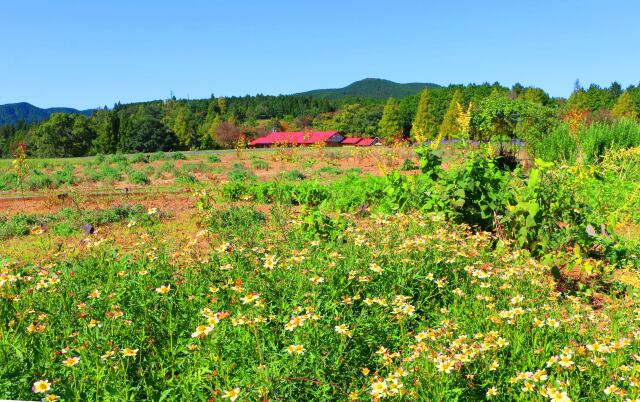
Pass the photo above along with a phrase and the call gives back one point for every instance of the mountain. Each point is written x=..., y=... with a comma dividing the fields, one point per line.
x=11, y=113
x=371, y=88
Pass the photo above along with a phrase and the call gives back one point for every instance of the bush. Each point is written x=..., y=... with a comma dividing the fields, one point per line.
x=408, y=165
x=157, y=156
x=178, y=156
x=140, y=158
x=37, y=181
x=138, y=177
x=213, y=158
x=259, y=164
x=64, y=176
x=293, y=175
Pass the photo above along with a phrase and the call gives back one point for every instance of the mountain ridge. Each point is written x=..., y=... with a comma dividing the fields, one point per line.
x=12, y=113
x=377, y=88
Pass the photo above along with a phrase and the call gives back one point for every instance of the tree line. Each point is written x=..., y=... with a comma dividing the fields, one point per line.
x=458, y=111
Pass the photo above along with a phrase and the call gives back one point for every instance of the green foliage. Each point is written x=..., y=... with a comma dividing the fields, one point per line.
x=213, y=158
x=424, y=126
x=391, y=124
x=476, y=192
x=293, y=175
x=259, y=164
x=450, y=128
x=408, y=164
x=544, y=212
x=138, y=177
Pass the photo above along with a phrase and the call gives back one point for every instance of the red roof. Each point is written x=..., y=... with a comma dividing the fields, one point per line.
x=365, y=142
x=351, y=140
x=294, y=137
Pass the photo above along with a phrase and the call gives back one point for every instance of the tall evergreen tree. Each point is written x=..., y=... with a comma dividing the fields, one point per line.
x=624, y=107
x=450, y=125
x=390, y=125
x=424, y=125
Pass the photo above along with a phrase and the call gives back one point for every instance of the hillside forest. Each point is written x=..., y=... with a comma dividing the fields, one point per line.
x=477, y=112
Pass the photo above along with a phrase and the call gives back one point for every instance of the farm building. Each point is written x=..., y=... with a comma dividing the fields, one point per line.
x=302, y=138
x=360, y=142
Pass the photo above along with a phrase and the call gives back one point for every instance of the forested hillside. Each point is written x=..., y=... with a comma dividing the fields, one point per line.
x=372, y=88
x=456, y=111
x=12, y=113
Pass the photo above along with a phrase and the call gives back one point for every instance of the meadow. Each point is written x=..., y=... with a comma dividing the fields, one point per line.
x=323, y=274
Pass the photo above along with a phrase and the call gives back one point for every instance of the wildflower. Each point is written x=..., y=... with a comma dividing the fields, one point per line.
x=297, y=349
x=71, y=361
x=129, y=352
x=316, y=279
x=353, y=396
x=232, y=394
x=565, y=361
x=94, y=295
x=202, y=331
x=379, y=388
x=152, y=211
x=294, y=323
x=51, y=398
x=164, y=289
x=376, y=268
x=270, y=261
x=343, y=329
x=41, y=386
x=445, y=366
x=493, y=391
x=494, y=365
x=109, y=354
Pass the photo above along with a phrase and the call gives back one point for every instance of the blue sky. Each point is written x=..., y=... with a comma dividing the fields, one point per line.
x=92, y=53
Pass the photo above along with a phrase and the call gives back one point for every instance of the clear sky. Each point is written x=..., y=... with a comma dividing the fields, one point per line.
x=89, y=53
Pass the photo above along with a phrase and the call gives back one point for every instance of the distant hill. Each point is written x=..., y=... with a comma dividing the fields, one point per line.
x=11, y=113
x=371, y=88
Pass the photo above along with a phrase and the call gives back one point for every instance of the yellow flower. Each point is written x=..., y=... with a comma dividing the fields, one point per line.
x=152, y=211
x=202, y=331
x=164, y=289
x=342, y=329
x=232, y=394
x=379, y=388
x=51, y=398
x=297, y=349
x=129, y=352
x=41, y=386
x=71, y=361
x=94, y=295
x=493, y=391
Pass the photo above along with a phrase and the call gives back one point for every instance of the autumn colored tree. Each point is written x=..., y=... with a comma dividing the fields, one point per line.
x=449, y=125
x=390, y=125
x=424, y=125
x=624, y=107
x=227, y=134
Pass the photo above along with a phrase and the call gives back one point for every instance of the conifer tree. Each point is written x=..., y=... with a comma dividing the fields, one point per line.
x=624, y=107
x=390, y=125
x=450, y=125
x=424, y=125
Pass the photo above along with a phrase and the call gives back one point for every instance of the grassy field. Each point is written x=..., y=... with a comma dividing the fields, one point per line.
x=471, y=282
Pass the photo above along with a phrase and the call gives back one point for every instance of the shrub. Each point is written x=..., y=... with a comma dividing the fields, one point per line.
x=37, y=181
x=213, y=158
x=178, y=156
x=293, y=175
x=259, y=164
x=140, y=158
x=138, y=177
x=64, y=176
x=157, y=156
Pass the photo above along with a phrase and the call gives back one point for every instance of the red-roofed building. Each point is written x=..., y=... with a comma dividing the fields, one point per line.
x=293, y=138
x=360, y=142
x=302, y=138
